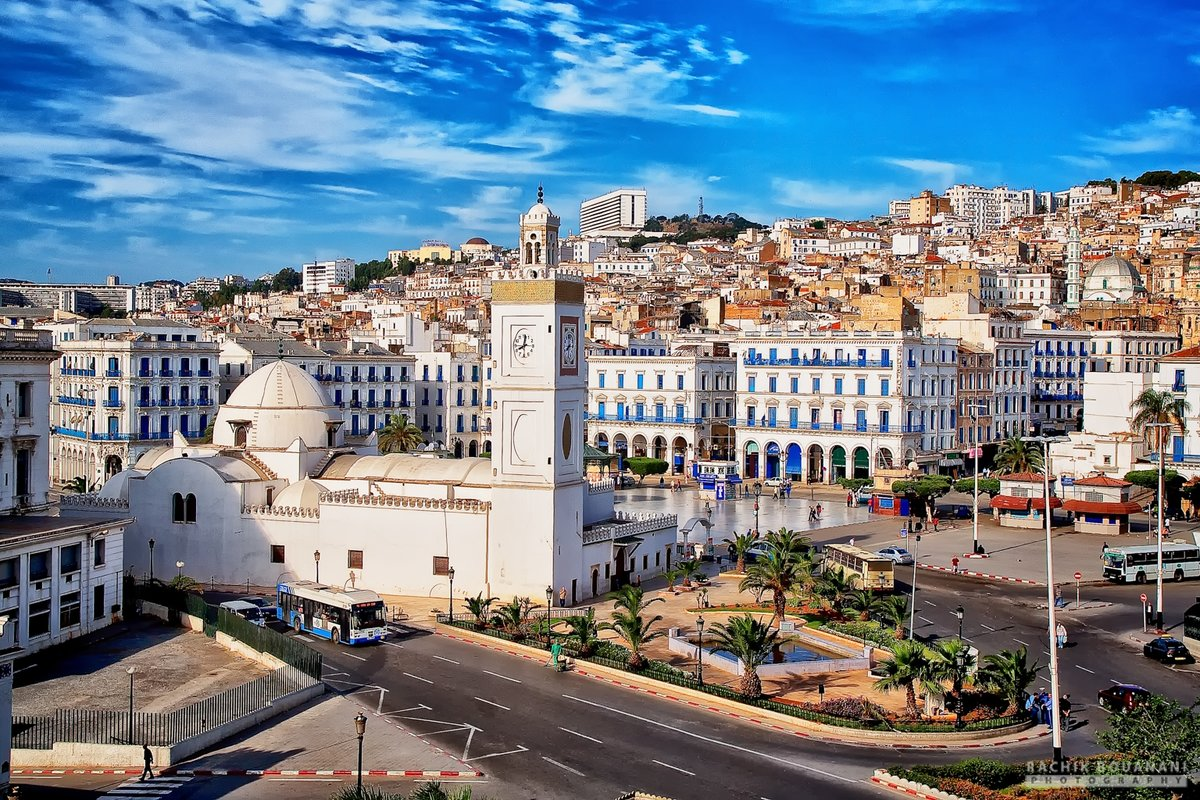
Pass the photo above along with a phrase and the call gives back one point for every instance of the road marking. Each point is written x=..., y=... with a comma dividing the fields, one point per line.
x=710, y=740
x=1085, y=669
x=670, y=766
x=451, y=660
x=306, y=780
x=989, y=627
x=926, y=620
x=1018, y=641
x=22, y=669
x=563, y=766
x=520, y=749
x=498, y=675
x=580, y=735
x=490, y=703
x=351, y=655
x=928, y=603
x=333, y=672
x=390, y=644
x=418, y=677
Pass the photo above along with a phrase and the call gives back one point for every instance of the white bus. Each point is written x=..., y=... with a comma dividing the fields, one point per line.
x=1140, y=563
x=864, y=569
x=353, y=616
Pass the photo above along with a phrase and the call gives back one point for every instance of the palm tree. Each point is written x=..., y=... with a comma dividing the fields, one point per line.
x=687, y=568
x=1017, y=455
x=1161, y=408
x=863, y=602
x=434, y=791
x=78, y=485
x=672, y=574
x=775, y=572
x=944, y=662
x=740, y=543
x=788, y=541
x=833, y=586
x=750, y=641
x=1009, y=673
x=893, y=611
x=909, y=665
x=584, y=630
x=630, y=625
x=399, y=436
x=513, y=617
x=480, y=607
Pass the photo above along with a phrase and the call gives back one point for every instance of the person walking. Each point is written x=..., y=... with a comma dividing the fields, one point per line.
x=1060, y=633
x=819, y=510
x=849, y=499
x=562, y=597
x=852, y=541
x=1103, y=549
x=1064, y=708
x=1031, y=708
x=1046, y=705
x=148, y=759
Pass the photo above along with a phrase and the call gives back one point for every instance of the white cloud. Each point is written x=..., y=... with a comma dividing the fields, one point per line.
x=736, y=57
x=943, y=172
x=130, y=184
x=874, y=15
x=1086, y=162
x=492, y=208
x=1165, y=130
x=350, y=190
x=1194, y=58
x=833, y=198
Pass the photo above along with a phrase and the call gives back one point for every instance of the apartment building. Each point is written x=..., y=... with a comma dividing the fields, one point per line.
x=79, y=298
x=1130, y=351
x=672, y=407
x=816, y=407
x=320, y=277
x=1179, y=374
x=1060, y=365
x=121, y=387
x=976, y=370
x=25, y=359
x=449, y=399
x=1016, y=287
x=615, y=213
x=988, y=209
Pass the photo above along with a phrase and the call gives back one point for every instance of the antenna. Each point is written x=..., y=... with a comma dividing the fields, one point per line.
x=700, y=207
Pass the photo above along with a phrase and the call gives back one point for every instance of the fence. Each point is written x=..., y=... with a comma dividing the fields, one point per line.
x=90, y=726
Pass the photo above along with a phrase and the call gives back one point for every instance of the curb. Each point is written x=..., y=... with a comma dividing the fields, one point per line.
x=909, y=788
x=751, y=719
x=76, y=772
x=372, y=773
x=972, y=574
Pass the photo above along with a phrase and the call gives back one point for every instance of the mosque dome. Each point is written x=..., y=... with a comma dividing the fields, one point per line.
x=301, y=494
x=477, y=240
x=1113, y=278
x=280, y=403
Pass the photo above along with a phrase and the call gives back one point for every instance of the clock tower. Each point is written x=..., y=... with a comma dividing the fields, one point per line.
x=539, y=386
x=539, y=235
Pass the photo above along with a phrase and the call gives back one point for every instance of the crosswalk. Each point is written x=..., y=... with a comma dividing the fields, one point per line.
x=150, y=788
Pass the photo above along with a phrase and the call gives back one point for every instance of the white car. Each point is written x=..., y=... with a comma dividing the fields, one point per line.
x=772, y=483
x=898, y=555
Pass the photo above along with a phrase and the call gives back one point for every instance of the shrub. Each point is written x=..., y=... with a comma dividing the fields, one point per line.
x=848, y=707
x=871, y=631
x=986, y=772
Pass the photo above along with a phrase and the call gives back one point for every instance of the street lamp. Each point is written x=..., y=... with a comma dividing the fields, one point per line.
x=959, y=612
x=975, y=500
x=179, y=569
x=700, y=650
x=757, y=494
x=549, y=603
x=131, y=670
x=912, y=606
x=450, y=573
x=1051, y=622
x=360, y=726
x=960, y=663
x=1158, y=610
x=317, y=562
x=151, y=543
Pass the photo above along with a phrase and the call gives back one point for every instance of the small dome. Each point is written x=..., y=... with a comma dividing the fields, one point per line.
x=1113, y=278
x=477, y=240
x=282, y=403
x=301, y=494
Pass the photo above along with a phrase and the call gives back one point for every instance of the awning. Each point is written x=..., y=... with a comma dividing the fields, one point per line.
x=1010, y=503
x=950, y=462
x=1093, y=507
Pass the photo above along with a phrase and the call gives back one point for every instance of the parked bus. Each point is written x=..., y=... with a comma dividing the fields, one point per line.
x=352, y=616
x=1140, y=563
x=866, y=570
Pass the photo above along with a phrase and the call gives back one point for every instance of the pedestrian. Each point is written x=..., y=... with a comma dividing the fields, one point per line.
x=954, y=563
x=852, y=541
x=562, y=597
x=849, y=499
x=1167, y=525
x=1103, y=549
x=1064, y=708
x=935, y=522
x=1031, y=708
x=819, y=510
x=637, y=581
x=148, y=759
x=1046, y=706
x=1060, y=633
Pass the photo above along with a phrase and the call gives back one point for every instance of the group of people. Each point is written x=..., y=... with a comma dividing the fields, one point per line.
x=1040, y=707
x=814, y=512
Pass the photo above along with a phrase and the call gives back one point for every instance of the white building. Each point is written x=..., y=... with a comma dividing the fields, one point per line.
x=1018, y=287
x=1107, y=444
x=1130, y=351
x=618, y=212
x=816, y=407
x=1060, y=364
x=673, y=407
x=1179, y=374
x=120, y=387
x=624, y=263
x=908, y=244
x=25, y=359
x=449, y=401
x=321, y=276
x=582, y=251
x=988, y=209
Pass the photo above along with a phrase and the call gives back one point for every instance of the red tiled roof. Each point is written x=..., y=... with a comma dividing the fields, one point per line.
x=1092, y=507
x=1101, y=480
x=1185, y=353
x=1027, y=477
x=1010, y=503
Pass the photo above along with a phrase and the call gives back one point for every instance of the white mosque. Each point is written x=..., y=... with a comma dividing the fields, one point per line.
x=278, y=486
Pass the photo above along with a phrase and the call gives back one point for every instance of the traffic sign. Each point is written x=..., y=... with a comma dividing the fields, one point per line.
x=1143, y=597
x=1078, y=576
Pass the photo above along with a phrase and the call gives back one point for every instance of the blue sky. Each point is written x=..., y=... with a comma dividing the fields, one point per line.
x=173, y=138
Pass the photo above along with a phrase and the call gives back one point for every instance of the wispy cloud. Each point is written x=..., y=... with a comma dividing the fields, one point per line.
x=1086, y=162
x=875, y=15
x=1165, y=130
x=492, y=208
x=824, y=197
x=348, y=190
x=944, y=173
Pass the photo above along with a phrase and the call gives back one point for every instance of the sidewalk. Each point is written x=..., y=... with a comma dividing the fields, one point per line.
x=320, y=739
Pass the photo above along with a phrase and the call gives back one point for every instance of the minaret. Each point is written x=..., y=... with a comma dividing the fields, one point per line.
x=539, y=235
x=1074, y=268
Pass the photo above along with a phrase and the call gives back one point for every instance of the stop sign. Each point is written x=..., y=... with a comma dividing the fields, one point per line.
x=1078, y=576
x=1143, y=597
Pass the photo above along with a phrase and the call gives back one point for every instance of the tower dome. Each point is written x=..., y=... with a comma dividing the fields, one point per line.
x=273, y=407
x=1114, y=279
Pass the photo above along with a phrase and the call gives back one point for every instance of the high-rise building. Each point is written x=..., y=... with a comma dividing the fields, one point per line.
x=321, y=276
x=620, y=212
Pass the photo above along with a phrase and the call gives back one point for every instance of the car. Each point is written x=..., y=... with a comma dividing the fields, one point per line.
x=1123, y=697
x=1167, y=649
x=261, y=602
x=898, y=555
x=756, y=551
x=247, y=611
x=626, y=481
x=773, y=483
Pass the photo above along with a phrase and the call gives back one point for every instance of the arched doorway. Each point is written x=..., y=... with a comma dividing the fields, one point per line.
x=602, y=441
x=794, y=462
x=595, y=583
x=837, y=463
x=639, y=446
x=112, y=465
x=473, y=449
x=862, y=463
x=458, y=449
x=884, y=459
x=678, y=454
x=816, y=464
x=751, y=467
x=621, y=448
x=487, y=446
x=660, y=448
x=772, y=454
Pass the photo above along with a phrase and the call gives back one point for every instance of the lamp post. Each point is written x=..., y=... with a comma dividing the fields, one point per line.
x=912, y=606
x=178, y=569
x=821, y=692
x=700, y=650
x=151, y=543
x=317, y=563
x=975, y=499
x=960, y=663
x=960, y=613
x=1051, y=622
x=757, y=494
x=1161, y=502
x=131, y=670
x=549, y=603
x=450, y=573
x=360, y=726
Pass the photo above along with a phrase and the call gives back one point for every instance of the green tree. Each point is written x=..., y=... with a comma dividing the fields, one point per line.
x=777, y=572
x=435, y=791
x=751, y=642
x=1148, y=478
x=642, y=466
x=672, y=574
x=184, y=583
x=854, y=484
x=988, y=486
x=740, y=543
x=287, y=280
x=207, y=436
x=924, y=490
x=688, y=568
x=513, y=617
x=654, y=224
x=629, y=623
x=1017, y=455
x=583, y=629
x=1160, y=730
x=909, y=665
x=1008, y=673
x=1159, y=408
x=864, y=602
x=399, y=436
x=833, y=586
x=480, y=608
x=894, y=612
x=78, y=485
x=1166, y=179
x=787, y=541
x=944, y=662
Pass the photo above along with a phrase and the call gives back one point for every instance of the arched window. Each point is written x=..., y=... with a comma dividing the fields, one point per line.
x=177, y=508
x=189, y=503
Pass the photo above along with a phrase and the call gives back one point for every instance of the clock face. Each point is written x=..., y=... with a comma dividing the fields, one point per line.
x=522, y=346
x=570, y=346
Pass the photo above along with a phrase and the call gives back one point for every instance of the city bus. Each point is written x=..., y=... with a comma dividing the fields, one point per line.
x=1140, y=563
x=864, y=569
x=353, y=616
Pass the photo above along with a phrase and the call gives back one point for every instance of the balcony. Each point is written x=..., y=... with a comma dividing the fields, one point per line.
x=185, y=373
x=113, y=403
x=185, y=401
x=150, y=436
x=112, y=373
x=386, y=404
x=1179, y=387
x=204, y=401
x=829, y=427
x=354, y=378
x=372, y=404
x=166, y=373
x=626, y=524
x=67, y=399
x=767, y=361
x=356, y=404
x=79, y=373
x=657, y=420
x=145, y=402
x=1069, y=396
x=204, y=373
x=145, y=373
x=323, y=378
